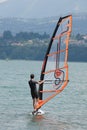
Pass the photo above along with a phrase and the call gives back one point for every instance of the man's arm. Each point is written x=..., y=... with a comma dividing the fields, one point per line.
x=40, y=82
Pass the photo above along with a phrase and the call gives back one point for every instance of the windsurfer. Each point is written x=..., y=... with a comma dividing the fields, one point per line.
x=34, y=93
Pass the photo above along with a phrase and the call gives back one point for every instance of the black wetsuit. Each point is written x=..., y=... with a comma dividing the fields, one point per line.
x=33, y=88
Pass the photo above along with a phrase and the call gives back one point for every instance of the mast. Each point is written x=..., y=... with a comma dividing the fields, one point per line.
x=46, y=57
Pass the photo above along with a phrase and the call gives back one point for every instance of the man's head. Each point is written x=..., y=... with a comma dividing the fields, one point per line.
x=32, y=76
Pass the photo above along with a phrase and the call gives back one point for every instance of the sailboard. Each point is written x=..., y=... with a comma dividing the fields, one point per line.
x=55, y=65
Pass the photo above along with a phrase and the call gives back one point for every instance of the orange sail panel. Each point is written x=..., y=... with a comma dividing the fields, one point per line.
x=55, y=67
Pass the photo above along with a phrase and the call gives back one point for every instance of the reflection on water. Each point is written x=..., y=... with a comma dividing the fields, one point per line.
x=48, y=122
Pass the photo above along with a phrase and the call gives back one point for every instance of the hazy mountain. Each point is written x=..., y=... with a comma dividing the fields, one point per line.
x=77, y=52
x=42, y=25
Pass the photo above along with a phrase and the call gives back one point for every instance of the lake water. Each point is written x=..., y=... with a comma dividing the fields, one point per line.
x=67, y=111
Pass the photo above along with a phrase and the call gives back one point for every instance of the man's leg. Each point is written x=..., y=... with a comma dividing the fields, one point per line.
x=34, y=100
x=35, y=103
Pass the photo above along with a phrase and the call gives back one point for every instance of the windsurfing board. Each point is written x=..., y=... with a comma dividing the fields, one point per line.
x=38, y=113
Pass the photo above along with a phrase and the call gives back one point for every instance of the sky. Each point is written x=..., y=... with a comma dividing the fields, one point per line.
x=41, y=8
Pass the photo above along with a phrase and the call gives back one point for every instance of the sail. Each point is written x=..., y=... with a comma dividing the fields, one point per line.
x=55, y=66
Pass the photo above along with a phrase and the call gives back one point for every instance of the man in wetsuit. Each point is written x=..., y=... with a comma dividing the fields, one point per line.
x=34, y=93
